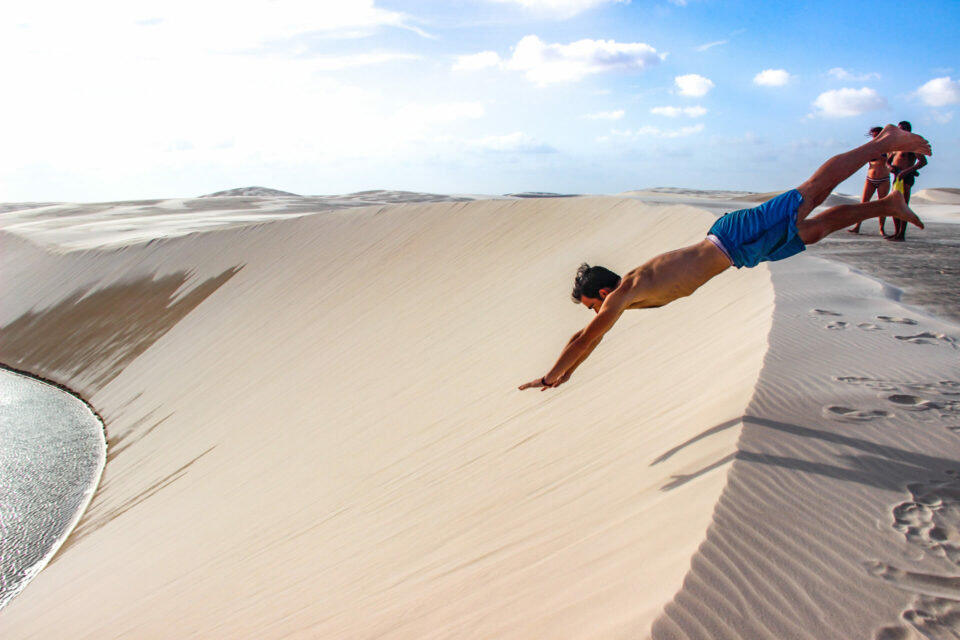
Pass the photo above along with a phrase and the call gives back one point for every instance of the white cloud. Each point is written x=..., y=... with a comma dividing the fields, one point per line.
x=942, y=117
x=131, y=38
x=940, y=92
x=135, y=28
x=843, y=103
x=442, y=112
x=748, y=138
x=476, y=61
x=679, y=3
x=842, y=74
x=693, y=85
x=657, y=132
x=605, y=115
x=673, y=112
x=336, y=63
x=771, y=78
x=711, y=45
x=193, y=72
x=545, y=63
x=424, y=122
x=517, y=142
x=560, y=8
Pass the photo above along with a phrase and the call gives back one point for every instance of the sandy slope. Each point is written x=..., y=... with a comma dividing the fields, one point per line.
x=315, y=431
x=842, y=513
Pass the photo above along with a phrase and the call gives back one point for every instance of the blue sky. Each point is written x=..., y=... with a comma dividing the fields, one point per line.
x=116, y=99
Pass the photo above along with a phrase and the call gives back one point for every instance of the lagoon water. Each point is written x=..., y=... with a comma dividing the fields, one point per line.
x=52, y=452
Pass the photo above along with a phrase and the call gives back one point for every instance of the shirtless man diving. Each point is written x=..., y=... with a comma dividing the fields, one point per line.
x=777, y=229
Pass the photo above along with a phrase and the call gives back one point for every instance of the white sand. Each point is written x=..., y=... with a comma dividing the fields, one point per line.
x=315, y=431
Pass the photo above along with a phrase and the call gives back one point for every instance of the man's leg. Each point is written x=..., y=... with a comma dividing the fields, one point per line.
x=817, y=227
x=840, y=167
x=899, y=227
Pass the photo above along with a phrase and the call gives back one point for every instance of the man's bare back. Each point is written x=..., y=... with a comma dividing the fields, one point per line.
x=672, y=275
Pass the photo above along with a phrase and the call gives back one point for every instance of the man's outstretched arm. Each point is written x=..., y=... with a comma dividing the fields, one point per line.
x=582, y=344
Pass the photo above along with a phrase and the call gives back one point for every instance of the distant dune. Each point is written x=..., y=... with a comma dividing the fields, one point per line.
x=539, y=194
x=719, y=195
x=251, y=191
x=713, y=194
x=374, y=196
x=938, y=196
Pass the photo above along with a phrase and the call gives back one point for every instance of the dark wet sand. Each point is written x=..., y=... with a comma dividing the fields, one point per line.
x=926, y=267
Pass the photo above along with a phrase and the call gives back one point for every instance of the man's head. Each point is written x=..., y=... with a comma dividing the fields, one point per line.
x=905, y=125
x=875, y=131
x=592, y=285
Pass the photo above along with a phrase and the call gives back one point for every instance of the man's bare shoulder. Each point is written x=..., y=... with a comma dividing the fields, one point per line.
x=634, y=290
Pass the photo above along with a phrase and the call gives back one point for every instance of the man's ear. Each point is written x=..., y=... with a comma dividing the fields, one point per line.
x=603, y=293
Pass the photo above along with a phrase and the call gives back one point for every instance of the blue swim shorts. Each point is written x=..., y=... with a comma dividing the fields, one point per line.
x=765, y=233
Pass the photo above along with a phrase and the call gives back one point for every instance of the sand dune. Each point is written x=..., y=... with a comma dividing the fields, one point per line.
x=938, y=196
x=69, y=226
x=314, y=426
x=717, y=194
x=252, y=191
x=678, y=192
x=314, y=430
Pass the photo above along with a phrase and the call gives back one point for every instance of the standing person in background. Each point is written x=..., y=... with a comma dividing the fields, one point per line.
x=905, y=166
x=878, y=181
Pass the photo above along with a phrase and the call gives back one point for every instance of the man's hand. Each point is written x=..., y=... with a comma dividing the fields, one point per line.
x=534, y=384
x=542, y=384
x=584, y=341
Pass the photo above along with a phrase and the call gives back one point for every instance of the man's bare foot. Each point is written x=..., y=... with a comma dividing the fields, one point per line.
x=856, y=229
x=900, y=210
x=896, y=139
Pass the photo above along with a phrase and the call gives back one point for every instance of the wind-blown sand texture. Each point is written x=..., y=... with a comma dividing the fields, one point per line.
x=314, y=429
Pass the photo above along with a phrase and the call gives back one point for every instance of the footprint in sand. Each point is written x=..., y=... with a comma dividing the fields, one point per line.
x=941, y=398
x=934, y=612
x=853, y=379
x=948, y=387
x=869, y=326
x=872, y=383
x=825, y=312
x=837, y=325
x=947, y=407
x=941, y=387
x=927, y=337
x=931, y=519
x=897, y=320
x=860, y=415
x=914, y=403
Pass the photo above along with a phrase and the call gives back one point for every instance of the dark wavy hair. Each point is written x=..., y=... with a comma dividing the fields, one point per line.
x=590, y=280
